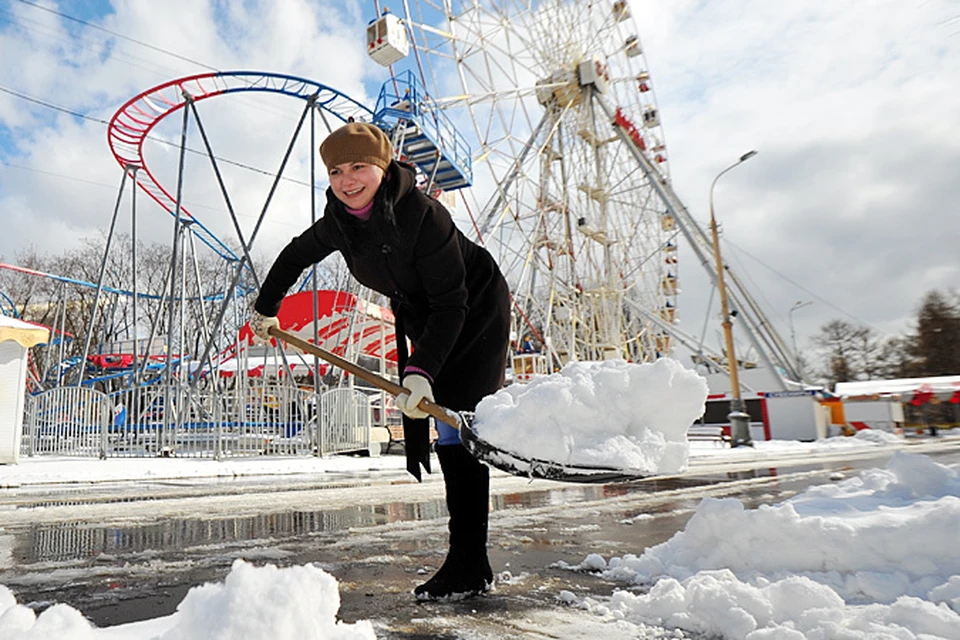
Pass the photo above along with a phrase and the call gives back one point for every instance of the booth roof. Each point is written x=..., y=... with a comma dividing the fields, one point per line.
x=26, y=334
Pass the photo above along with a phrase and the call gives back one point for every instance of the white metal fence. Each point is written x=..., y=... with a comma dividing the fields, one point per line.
x=67, y=421
x=345, y=415
x=158, y=420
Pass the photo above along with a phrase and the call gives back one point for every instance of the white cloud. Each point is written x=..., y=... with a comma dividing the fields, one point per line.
x=64, y=180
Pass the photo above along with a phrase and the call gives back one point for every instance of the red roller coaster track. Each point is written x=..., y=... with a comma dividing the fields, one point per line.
x=132, y=123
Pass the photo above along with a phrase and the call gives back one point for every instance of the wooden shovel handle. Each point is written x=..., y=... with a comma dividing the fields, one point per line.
x=439, y=412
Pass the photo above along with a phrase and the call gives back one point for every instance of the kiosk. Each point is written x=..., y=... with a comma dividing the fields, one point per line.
x=16, y=337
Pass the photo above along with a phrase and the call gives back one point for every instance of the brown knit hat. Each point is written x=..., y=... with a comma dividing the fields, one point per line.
x=357, y=142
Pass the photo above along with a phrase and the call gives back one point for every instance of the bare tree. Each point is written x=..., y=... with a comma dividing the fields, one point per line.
x=850, y=352
x=839, y=344
x=25, y=291
x=866, y=349
x=199, y=286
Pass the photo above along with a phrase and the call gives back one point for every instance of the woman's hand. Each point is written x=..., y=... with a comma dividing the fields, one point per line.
x=260, y=325
x=419, y=388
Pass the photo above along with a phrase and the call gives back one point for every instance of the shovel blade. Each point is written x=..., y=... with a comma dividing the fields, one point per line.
x=527, y=467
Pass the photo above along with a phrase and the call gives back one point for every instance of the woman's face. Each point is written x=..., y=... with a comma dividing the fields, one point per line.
x=355, y=183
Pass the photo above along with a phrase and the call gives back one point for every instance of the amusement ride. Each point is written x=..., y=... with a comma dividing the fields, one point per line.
x=534, y=121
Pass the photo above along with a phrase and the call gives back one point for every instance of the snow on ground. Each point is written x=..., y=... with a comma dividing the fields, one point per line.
x=51, y=470
x=876, y=556
x=873, y=556
x=62, y=469
x=608, y=414
x=252, y=602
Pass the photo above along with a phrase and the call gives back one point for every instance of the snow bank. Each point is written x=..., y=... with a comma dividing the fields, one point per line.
x=872, y=556
x=295, y=603
x=609, y=414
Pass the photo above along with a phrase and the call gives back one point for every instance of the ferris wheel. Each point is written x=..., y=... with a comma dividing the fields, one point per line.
x=567, y=160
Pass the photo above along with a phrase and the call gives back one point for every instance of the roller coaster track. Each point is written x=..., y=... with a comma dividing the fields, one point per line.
x=133, y=122
x=80, y=283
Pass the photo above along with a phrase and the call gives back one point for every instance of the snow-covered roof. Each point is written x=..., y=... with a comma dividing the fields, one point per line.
x=898, y=386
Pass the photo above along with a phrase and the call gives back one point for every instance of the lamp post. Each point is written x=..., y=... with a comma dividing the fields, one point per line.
x=793, y=334
x=739, y=418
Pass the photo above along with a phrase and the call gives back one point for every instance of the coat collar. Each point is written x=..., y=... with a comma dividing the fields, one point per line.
x=407, y=176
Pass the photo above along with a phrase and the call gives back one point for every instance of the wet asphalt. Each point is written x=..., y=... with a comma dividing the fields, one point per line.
x=126, y=553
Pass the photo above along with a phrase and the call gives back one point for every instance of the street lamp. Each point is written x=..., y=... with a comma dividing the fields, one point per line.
x=793, y=334
x=739, y=418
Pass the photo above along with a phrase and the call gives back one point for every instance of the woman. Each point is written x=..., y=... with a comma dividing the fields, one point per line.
x=449, y=298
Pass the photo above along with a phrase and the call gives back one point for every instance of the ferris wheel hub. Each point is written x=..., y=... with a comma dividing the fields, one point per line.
x=566, y=87
x=596, y=73
x=561, y=88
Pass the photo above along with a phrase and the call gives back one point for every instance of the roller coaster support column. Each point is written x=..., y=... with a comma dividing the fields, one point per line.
x=314, y=277
x=228, y=294
x=103, y=269
x=172, y=408
x=135, y=365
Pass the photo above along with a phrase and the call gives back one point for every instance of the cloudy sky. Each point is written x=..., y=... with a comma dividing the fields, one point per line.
x=851, y=203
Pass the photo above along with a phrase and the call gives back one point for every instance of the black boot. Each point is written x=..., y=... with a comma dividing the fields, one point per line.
x=466, y=572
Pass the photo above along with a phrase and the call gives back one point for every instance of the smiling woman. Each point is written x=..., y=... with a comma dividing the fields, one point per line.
x=449, y=300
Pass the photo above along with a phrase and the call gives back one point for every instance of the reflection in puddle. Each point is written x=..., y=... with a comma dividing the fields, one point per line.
x=80, y=541
x=76, y=541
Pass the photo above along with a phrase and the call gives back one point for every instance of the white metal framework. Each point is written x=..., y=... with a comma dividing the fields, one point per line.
x=570, y=178
x=585, y=239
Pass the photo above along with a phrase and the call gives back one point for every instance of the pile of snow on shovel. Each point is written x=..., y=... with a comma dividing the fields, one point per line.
x=609, y=414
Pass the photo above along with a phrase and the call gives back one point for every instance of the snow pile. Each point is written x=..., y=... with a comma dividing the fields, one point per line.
x=872, y=435
x=54, y=469
x=607, y=414
x=296, y=603
x=872, y=556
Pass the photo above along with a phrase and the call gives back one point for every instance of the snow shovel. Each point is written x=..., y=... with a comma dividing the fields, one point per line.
x=494, y=456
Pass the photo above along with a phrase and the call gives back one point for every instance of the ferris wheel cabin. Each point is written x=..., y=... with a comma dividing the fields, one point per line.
x=621, y=10
x=387, y=40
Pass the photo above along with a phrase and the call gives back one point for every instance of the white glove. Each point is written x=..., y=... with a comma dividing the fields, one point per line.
x=419, y=388
x=260, y=325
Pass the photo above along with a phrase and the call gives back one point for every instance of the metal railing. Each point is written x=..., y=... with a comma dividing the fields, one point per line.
x=346, y=418
x=265, y=418
x=67, y=421
x=404, y=99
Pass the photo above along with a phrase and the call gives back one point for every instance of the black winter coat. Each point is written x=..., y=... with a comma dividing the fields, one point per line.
x=447, y=292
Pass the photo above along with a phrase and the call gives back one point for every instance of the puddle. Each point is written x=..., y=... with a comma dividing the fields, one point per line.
x=81, y=541
x=68, y=541
x=71, y=541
